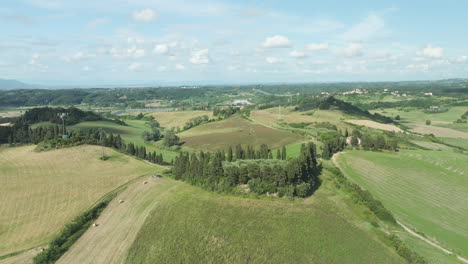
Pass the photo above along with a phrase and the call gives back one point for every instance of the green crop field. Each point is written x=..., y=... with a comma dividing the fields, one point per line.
x=131, y=133
x=222, y=134
x=41, y=192
x=191, y=225
x=426, y=190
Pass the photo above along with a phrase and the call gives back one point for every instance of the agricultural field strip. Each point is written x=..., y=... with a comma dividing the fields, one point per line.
x=119, y=224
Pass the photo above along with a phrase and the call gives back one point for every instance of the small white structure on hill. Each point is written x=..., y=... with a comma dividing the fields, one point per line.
x=350, y=139
x=428, y=94
x=241, y=102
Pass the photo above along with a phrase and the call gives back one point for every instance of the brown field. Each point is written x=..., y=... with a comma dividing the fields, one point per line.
x=41, y=192
x=220, y=135
x=178, y=118
x=373, y=124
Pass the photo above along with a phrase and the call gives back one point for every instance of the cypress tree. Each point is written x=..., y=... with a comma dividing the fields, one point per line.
x=283, y=153
x=229, y=154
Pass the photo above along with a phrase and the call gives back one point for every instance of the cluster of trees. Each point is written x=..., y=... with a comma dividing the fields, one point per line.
x=196, y=121
x=249, y=152
x=225, y=111
x=262, y=174
x=49, y=114
x=463, y=118
x=313, y=102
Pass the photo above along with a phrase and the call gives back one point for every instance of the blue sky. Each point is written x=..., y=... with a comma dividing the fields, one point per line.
x=198, y=42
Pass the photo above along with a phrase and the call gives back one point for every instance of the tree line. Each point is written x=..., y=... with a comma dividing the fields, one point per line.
x=50, y=137
x=255, y=168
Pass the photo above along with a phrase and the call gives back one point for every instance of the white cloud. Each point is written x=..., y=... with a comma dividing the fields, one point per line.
x=317, y=46
x=134, y=66
x=135, y=52
x=272, y=60
x=33, y=59
x=161, y=68
x=86, y=68
x=353, y=49
x=461, y=58
x=277, y=42
x=180, y=67
x=420, y=67
x=74, y=57
x=200, y=57
x=99, y=21
x=297, y=54
x=431, y=51
x=146, y=15
x=161, y=49
x=366, y=29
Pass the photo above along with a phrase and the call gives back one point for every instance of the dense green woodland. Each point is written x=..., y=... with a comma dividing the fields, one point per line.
x=256, y=168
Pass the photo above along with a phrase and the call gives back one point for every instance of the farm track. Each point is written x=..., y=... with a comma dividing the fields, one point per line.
x=119, y=224
x=407, y=229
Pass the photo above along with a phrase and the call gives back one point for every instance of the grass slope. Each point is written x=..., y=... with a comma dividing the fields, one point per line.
x=40, y=192
x=195, y=226
x=424, y=189
x=119, y=224
x=232, y=131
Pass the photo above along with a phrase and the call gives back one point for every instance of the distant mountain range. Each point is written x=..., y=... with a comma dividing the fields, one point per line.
x=6, y=84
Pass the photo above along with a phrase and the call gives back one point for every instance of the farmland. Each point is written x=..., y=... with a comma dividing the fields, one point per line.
x=222, y=134
x=426, y=190
x=203, y=227
x=118, y=226
x=41, y=192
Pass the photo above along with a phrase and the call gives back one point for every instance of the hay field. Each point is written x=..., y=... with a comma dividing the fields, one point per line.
x=232, y=131
x=426, y=190
x=40, y=192
x=376, y=125
x=437, y=131
x=178, y=118
x=119, y=224
x=195, y=226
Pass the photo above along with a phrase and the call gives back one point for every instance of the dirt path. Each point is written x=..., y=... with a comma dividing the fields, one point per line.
x=430, y=242
x=119, y=223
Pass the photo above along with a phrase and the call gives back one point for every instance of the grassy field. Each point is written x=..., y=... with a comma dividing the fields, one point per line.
x=426, y=190
x=373, y=124
x=178, y=118
x=191, y=225
x=222, y=134
x=131, y=133
x=40, y=192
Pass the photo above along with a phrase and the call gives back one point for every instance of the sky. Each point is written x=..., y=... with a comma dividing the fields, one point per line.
x=159, y=42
